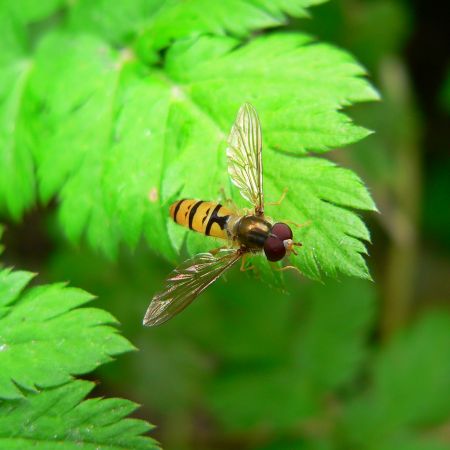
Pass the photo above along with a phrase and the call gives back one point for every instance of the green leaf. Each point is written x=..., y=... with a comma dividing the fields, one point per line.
x=46, y=337
x=31, y=11
x=2, y=229
x=17, y=109
x=157, y=23
x=14, y=35
x=411, y=385
x=321, y=196
x=178, y=19
x=123, y=144
x=118, y=24
x=12, y=283
x=17, y=180
x=78, y=121
x=59, y=418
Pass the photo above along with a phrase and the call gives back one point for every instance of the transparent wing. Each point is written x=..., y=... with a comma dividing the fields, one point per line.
x=245, y=157
x=186, y=283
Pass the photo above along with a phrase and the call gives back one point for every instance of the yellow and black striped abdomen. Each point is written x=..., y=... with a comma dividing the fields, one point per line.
x=205, y=217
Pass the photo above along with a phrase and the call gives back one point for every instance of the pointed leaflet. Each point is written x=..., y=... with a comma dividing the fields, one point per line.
x=17, y=180
x=233, y=17
x=320, y=196
x=157, y=23
x=148, y=18
x=61, y=418
x=12, y=284
x=45, y=337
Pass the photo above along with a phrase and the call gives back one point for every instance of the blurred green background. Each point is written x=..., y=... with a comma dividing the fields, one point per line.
x=342, y=365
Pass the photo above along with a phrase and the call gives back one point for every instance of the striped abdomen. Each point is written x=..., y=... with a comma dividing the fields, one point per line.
x=205, y=217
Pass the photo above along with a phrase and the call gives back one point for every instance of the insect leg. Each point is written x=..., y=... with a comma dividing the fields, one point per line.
x=280, y=200
x=228, y=202
x=243, y=260
x=281, y=269
x=214, y=251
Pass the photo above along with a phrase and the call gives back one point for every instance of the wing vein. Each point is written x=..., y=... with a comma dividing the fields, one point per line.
x=245, y=156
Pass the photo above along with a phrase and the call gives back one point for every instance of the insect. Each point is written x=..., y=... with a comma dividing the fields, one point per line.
x=246, y=234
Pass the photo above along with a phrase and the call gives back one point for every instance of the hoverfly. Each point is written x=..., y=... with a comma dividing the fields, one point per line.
x=246, y=234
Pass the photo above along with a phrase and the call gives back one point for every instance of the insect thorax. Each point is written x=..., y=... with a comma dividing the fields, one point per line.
x=252, y=231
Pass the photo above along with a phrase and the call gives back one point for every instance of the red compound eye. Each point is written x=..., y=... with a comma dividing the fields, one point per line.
x=281, y=231
x=274, y=249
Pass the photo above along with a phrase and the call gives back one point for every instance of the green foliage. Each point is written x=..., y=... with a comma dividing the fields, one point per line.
x=28, y=11
x=158, y=23
x=46, y=337
x=237, y=18
x=296, y=444
x=281, y=378
x=110, y=112
x=445, y=94
x=117, y=137
x=265, y=365
x=119, y=25
x=323, y=194
x=436, y=219
x=47, y=333
x=17, y=180
x=253, y=360
x=59, y=418
x=411, y=388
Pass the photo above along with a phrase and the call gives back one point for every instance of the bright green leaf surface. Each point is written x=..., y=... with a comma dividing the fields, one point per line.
x=61, y=418
x=321, y=196
x=31, y=10
x=126, y=142
x=17, y=177
x=17, y=180
x=118, y=24
x=45, y=337
x=12, y=284
x=177, y=19
x=158, y=22
x=13, y=38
